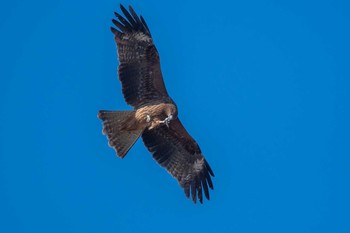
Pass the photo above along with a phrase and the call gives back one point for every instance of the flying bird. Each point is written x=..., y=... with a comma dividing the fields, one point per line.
x=155, y=114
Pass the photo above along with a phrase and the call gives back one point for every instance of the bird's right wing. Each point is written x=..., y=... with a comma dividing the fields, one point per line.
x=175, y=150
x=139, y=65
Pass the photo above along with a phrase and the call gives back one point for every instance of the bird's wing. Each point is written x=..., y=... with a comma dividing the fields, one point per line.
x=175, y=150
x=139, y=65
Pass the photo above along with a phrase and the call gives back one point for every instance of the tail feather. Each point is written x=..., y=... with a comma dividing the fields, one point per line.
x=119, y=126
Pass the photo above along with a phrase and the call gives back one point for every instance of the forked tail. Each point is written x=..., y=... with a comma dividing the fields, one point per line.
x=121, y=130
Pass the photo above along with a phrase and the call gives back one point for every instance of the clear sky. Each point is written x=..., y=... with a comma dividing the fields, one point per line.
x=263, y=87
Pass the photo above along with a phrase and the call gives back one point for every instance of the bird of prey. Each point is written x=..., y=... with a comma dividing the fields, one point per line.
x=155, y=114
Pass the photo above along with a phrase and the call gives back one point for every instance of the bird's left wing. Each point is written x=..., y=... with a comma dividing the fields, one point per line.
x=175, y=150
x=139, y=65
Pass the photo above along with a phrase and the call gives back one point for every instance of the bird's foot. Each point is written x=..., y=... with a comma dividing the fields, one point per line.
x=167, y=120
x=148, y=118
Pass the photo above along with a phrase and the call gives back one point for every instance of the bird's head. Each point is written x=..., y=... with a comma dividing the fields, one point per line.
x=171, y=111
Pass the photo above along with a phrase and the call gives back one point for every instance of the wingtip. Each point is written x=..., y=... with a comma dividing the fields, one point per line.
x=205, y=187
x=99, y=114
x=122, y=8
x=115, y=32
x=187, y=191
x=200, y=197
x=209, y=169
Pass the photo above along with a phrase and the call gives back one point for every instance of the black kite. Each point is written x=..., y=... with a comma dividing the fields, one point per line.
x=155, y=114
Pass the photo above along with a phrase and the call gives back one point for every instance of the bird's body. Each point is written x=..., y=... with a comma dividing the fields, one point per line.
x=155, y=114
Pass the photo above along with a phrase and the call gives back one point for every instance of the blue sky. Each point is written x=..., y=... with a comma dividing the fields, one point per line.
x=263, y=87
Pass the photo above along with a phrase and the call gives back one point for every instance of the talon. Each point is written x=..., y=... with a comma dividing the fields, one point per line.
x=148, y=118
x=167, y=120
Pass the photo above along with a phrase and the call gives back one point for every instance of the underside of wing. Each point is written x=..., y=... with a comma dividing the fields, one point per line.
x=139, y=65
x=175, y=150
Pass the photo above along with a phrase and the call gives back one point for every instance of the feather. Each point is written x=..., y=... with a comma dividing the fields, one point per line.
x=144, y=23
x=128, y=16
x=133, y=13
x=116, y=32
x=124, y=21
x=119, y=25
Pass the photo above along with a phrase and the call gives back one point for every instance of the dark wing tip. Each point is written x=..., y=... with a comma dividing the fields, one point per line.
x=198, y=185
x=131, y=22
x=119, y=25
x=209, y=168
x=134, y=15
x=122, y=7
x=187, y=191
x=194, y=191
x=205, y=186
x=115, y=32
x=128, y=16
x=199, y=190
x=102, y=114
x=131, y=9
x=144, y=23
x=125, y=23
x=99, y=114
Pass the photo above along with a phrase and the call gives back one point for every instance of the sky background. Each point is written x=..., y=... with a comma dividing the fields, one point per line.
x=263, y=87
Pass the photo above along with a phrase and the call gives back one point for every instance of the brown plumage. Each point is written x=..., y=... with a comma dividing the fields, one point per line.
x=155, y=114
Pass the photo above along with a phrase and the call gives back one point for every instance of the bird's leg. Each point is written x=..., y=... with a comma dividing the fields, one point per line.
x=167, y=120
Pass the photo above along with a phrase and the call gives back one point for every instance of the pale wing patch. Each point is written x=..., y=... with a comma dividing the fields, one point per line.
x=142, y=37
x=198, y=165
